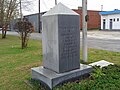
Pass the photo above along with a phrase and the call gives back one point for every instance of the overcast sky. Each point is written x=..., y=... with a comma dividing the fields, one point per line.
x=73, y=4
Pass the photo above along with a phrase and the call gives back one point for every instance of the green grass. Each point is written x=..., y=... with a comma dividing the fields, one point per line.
x=108, y=78
x=16, y=63
x=96, y=55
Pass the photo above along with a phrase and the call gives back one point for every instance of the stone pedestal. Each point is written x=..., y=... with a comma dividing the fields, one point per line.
x=61, y=47
x=51, y=78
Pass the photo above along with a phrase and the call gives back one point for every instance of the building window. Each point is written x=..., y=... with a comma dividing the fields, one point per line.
x=103, y=20
x=110, y=20
x=114, y=19
x=118, y=19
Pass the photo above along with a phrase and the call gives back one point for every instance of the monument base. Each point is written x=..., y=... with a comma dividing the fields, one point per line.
x=52, y=78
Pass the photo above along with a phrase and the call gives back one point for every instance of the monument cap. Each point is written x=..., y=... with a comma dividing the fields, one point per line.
x=60, y=9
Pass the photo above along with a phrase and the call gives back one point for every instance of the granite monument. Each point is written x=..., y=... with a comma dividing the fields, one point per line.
x=61, y=47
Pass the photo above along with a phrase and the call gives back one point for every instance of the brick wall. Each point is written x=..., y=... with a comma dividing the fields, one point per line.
x=94, y=19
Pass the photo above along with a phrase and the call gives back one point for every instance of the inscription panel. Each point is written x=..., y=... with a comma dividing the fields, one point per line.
x=69, y=43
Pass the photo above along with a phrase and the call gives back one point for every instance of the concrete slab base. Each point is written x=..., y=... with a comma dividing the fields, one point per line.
x=51, y=78
x=101, y=63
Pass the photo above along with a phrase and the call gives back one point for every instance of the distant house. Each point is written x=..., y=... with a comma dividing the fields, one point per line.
x=94, y=18
x=93, y=22
x=33, y=18
x=110, y=20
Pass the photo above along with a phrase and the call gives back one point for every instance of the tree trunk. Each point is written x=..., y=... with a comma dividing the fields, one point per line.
x=4, y=31
x=4, y=35
x=24, y=40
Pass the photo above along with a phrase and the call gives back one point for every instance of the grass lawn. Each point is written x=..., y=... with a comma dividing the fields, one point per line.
x=16, y=64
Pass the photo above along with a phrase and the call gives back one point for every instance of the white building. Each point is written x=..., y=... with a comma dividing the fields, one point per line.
x=110, y=20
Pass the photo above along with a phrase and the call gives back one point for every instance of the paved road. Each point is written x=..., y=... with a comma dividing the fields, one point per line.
x=110, y=45
x=105, y=40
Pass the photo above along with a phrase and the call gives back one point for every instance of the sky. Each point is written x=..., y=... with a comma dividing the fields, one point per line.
x=108, y=5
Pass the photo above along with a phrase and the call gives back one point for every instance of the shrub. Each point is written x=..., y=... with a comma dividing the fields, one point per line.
x=24, y=28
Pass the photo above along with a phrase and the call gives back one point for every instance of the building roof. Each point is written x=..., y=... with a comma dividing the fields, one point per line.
x=35, y=14
x=116, y=11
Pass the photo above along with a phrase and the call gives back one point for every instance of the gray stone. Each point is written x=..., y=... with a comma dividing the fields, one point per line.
x=101, y=63
x=60, y=9
x=61, y=39
x=61, y=47
x=51, y=78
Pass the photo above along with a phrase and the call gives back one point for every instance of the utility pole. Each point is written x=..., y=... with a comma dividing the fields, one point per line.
x=101, y=7
x=84, y=30
x=55, y=2
x=39, y=19
x=21, y=15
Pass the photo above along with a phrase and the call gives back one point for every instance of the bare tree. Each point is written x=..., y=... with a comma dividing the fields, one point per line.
x=24, y=28
x=8, y=11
